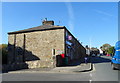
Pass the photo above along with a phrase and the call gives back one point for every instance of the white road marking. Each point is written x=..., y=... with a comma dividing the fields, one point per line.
x=90, y=81
x=91, y=77
x=93, y=67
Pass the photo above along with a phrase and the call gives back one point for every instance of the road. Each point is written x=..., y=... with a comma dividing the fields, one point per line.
x=47, y=77
x=102, y=71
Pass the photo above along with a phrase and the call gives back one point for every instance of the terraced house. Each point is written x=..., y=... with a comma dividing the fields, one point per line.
x=40, y=46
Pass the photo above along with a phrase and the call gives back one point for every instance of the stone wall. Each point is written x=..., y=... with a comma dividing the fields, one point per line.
x=73, y=48
x=11, y=48
x=36, y=47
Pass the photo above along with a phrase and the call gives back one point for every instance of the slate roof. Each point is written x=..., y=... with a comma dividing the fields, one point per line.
x=38, y=28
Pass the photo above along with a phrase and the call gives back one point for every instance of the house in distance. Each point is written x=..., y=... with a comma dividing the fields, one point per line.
x=39, y=46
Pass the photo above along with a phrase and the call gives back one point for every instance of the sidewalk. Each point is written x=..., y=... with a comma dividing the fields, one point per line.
x=73, y=69
x=67, y=69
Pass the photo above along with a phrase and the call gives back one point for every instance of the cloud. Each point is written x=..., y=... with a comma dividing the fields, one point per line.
x=103, y=13
x=71, y=16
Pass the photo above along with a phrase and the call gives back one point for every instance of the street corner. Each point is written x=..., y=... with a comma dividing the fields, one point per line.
x=83, y=68
x=89, y=67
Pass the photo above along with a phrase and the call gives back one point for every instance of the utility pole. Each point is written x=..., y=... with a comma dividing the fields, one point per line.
x=90, y=43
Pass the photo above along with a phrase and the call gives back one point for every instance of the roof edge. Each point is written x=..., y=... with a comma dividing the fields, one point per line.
x=17, y=32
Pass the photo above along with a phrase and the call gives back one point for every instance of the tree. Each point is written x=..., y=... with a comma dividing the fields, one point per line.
x=94, y=50
x=111, y=50
x=3, y=49
x=105, y=47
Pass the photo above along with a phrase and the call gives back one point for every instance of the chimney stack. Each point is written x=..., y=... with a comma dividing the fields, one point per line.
x=45, y=22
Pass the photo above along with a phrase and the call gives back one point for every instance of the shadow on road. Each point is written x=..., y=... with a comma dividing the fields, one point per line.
x=75, y=63
x=85, y=70
x=99, y=60
x=78, y=62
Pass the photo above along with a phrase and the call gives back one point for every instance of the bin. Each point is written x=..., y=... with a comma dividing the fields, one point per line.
x=65, y=61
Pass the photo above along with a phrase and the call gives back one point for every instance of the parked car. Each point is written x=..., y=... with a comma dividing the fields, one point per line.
x=93, y=55
x=115, y=62
x=98, y=55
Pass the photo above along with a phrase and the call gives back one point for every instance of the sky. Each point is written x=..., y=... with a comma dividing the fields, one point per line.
x=92, y=23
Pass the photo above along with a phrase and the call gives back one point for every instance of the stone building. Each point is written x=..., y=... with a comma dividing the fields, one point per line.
x=36, y=47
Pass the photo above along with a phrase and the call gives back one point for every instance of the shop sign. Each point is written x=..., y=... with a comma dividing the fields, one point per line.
x=69, y=43
x=59, y=51
x=69, y=37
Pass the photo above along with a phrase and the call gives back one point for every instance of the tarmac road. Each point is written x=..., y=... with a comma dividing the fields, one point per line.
x=46, y=77
x=57, y=74
x=102, y=71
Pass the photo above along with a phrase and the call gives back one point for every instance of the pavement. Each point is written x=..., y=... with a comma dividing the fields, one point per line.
x=66, y=69
x=99, y=70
